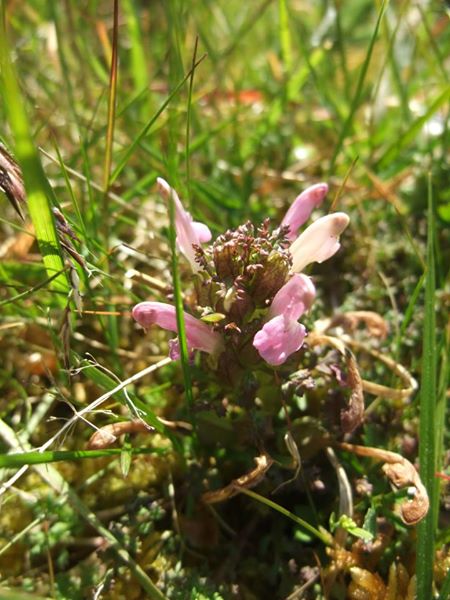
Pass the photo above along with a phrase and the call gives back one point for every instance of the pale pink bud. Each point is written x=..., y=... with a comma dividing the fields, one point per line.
x=294, y=298
x=278, y=339
x=302, y=207
x=188, y=231
x=319, y=241
x=199, y=335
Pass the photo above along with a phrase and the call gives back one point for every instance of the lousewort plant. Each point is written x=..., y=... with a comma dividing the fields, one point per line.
x=260, y=385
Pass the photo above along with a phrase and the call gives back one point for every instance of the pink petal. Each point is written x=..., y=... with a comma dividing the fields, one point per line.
x=294, y=298
x=203, y=232
x=188, y=232
x=279, y=338
x=199, y=335
x=319, y=241
x=302, y=207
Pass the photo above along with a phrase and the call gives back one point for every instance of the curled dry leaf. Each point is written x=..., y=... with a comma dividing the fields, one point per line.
x=401, y=473
x=403, y=394
x=353, y=415
x=247, y=481
x=107, y=435
x=398, y=369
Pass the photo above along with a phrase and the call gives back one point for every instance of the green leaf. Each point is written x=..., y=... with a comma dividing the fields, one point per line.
x=349, y=525
x=427, y=424
x=213, y=318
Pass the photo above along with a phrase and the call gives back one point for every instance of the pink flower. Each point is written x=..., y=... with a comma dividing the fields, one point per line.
x=278, y=339
x=302, y=207
x=282, y=335
x=319, y=241
x=198, y=334
x=189, y=232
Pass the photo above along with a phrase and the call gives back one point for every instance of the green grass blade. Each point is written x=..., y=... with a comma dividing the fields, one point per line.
x=137, y=51
x=184, y=353
x=445, y=590
x=36, y=184
x=12, y=461
x=110, y=322
x=409, y=313
x=54, y=10
x=346, y=128
x=441, y=405
x=427, y=425
x=188, y=125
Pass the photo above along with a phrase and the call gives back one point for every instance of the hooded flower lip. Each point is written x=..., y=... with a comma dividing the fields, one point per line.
x=319, y=241
x=278, y=339
x=199, y=335
x=302, y=207
x=189, y=232
x=294, y=298
x=282, y=335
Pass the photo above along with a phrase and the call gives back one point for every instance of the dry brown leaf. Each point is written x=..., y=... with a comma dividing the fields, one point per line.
x=247, y=481
x=107, y=435
x=401, y=473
